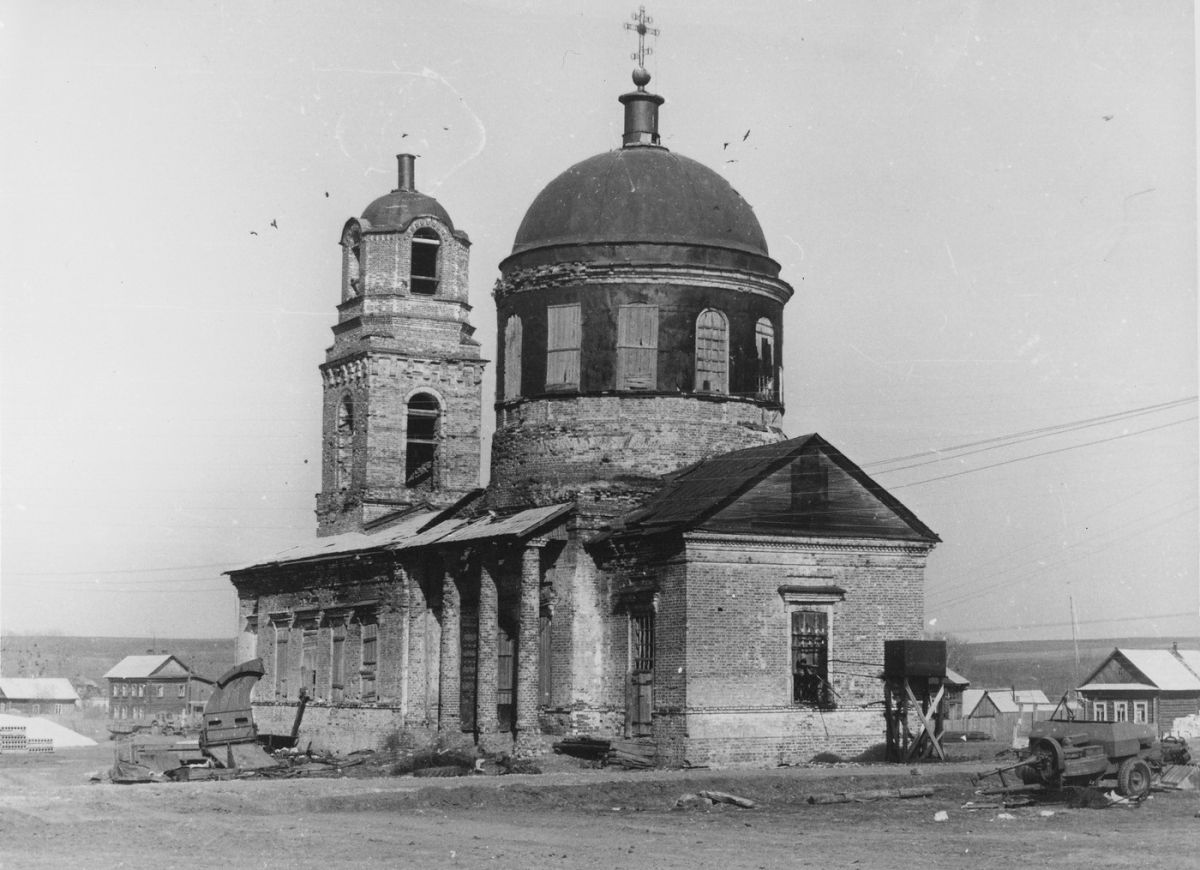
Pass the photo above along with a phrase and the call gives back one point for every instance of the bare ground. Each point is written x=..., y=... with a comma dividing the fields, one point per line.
x=51, y=817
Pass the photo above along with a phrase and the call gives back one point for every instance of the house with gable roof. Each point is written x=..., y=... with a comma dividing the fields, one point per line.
x=1144, y=685
x=148, y=688
x=37, y=696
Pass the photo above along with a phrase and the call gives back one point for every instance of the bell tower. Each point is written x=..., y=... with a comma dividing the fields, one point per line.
x=402, y=379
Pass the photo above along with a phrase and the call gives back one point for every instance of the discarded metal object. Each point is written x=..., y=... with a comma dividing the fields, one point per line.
x=229, y=734
x=1064, y=753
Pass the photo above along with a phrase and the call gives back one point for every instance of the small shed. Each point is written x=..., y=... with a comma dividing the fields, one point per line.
x=956, y=684
x=1144, y=685
x=37, y=696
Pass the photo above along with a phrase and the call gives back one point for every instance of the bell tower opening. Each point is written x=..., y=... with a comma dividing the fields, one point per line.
x=424, y=268
x=421, y=443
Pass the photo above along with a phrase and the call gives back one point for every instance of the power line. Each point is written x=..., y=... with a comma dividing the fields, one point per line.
x=1022, y=437
x=1046, y=453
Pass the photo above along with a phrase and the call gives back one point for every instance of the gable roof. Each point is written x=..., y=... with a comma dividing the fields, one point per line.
x=1155, y=668
x=1004, y=700
x=846, y=502
x=135, y=667
x=37, y=689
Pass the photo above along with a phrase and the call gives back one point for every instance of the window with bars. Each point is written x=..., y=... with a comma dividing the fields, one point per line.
x=641, y=643
x=810, y=658
x=712, y=352
x=512, y=357
x=637, y=347
x=562, y=347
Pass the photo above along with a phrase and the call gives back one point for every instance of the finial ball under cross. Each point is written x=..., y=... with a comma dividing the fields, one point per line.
x=641, y=24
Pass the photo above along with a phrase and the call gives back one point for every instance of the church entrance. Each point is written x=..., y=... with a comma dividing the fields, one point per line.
x=640, y=694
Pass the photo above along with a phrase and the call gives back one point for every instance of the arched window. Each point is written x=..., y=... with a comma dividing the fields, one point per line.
x=352, y=252
x=764, y=340
x=420, y=446
x=343, y=448
x=424, y=262
x=512, y=358
x=712, y=352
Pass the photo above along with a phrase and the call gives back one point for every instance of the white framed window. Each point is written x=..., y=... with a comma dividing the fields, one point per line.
x=1099, y=711
x=562, y=347
x=182, y=691
x=160, y=691
x=1140, y=711
x=1120, y=711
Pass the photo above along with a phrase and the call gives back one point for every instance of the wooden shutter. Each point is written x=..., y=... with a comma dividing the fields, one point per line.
x=512, y=358
x=637, y=347
x=562, y=347
x=712, y=352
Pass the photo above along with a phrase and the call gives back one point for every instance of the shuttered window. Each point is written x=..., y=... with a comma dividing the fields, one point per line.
x=712, y=352
x=562, y=347
x=637, y=347
x=512, y=358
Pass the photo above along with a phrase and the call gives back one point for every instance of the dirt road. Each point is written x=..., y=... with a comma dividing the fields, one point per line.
x=50, y=817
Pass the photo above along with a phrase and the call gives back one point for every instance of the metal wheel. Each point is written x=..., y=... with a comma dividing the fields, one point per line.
x=1133, y=778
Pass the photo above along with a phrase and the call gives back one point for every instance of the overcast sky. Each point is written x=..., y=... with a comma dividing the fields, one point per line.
x=987, y=209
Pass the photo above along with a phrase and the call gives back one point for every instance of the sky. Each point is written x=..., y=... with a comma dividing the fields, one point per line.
x=987, y=210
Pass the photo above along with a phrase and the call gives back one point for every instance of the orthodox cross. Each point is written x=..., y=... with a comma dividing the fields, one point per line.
x=642, y=27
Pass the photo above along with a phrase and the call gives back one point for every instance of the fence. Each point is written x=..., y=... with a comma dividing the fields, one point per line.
x=1010, y=728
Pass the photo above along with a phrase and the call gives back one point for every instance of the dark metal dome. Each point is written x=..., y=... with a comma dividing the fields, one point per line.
x=637, y=196
x=398, y=209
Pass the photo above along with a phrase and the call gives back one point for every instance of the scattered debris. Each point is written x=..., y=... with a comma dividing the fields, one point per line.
x=875, y=794
x=941, y=816
x=692, y=801
x=720, y=797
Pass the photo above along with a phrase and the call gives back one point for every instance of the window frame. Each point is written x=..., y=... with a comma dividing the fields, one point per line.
x=1120, y=711
x=823, y=600
x=637, y=347
x=563, y=346
x=1142, y=708
x=514, y=329
x=1099, y=711
x=714, y=348
x=413, y=477
x=765, y=352
x=424, y=240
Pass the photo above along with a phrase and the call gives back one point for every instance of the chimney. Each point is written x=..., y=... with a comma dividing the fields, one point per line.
x=407, y=166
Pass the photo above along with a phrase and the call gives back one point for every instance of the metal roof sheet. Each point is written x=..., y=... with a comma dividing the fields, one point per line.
x=1163, y=669
x=139, y=666
x=405, y=528
x=516, y=525
x=37, y=689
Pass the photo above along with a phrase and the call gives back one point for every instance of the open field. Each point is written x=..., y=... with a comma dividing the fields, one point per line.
x=50, y=817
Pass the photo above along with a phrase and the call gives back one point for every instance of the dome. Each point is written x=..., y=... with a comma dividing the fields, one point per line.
x=396, y=210
x=640, y=195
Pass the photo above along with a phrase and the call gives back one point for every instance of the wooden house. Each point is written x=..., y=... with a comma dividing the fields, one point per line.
x=1144, y=685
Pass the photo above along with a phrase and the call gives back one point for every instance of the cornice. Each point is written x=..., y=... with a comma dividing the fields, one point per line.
x=724, y=541
x=567, y=274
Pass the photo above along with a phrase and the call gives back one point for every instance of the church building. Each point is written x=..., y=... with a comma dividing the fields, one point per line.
x=653, y=558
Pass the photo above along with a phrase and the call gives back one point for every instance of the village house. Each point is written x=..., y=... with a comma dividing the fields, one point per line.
x=653, y=557
x=37, y=696
x=155, y=688
x=1144, y=685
